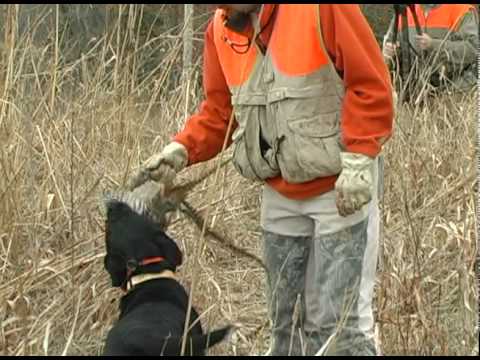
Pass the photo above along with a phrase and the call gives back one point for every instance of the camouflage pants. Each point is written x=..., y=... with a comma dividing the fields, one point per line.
x=321, y=272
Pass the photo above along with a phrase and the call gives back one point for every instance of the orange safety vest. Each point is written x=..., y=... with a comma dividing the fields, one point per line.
x=287, y=102
x=440, y=20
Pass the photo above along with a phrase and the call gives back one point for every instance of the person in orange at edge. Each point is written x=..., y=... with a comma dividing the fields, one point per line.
x=312, y=103
x=448, y=43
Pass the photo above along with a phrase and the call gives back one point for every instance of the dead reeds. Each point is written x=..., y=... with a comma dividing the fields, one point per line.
x=69, y=130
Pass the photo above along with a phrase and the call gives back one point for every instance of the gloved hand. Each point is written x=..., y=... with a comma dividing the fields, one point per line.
x=389, y=50
x=354, y=185
x=161, y=167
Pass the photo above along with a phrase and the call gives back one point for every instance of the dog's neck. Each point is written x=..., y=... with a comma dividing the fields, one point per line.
x=138, y=279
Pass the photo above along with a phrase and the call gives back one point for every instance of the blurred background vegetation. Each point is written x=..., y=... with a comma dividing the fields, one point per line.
x=88, y=92
x=81, y=26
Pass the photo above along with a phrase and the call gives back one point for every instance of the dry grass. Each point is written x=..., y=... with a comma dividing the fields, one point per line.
x=68, y=131
x=427, y=289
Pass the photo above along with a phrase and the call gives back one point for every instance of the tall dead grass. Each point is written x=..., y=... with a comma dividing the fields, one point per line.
x=69, y=130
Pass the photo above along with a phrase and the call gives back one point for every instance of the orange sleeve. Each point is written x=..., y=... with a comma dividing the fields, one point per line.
x=204, y=132
x=367, y=114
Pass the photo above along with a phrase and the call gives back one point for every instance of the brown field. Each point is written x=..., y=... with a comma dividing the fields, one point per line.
x=70, y=130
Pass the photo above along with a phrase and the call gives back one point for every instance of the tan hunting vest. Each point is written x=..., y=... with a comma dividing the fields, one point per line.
x=288, y=102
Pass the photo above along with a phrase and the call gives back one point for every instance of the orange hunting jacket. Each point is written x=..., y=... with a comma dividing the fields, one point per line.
x=442, y=18
x=366, y=109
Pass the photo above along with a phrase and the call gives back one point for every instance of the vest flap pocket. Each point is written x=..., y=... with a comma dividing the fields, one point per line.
x=248, y=99
x=319, y=126
x=326, y=89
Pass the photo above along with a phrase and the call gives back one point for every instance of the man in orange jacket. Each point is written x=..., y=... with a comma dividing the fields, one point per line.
x=312, y=105
x=448, y=43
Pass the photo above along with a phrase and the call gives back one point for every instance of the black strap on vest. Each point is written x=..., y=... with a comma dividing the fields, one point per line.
x=406, y=49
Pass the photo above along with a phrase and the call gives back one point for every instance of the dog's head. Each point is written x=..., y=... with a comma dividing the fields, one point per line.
x=135, y=231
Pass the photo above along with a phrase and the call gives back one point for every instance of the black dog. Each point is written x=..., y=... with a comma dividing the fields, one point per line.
x=153, y=312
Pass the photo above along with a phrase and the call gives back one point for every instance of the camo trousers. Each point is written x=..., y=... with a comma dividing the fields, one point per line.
x=321, y=272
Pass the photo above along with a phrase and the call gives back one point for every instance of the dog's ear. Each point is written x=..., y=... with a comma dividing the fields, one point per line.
x=115, y=269
x=113, y=264
x=171, y=251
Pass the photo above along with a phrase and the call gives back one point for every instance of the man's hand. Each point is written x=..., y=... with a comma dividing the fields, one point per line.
x=161, y=167
x=424, y=41
x=389, y=50
x=354, y=185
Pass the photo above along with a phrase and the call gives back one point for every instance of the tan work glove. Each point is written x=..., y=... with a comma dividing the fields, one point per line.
x=161, y=167
x=390, y=50
x=354, y=185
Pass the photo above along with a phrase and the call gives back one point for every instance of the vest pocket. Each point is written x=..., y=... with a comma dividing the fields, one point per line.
x=252, y=156
x=317, y=150
x=312, y=141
